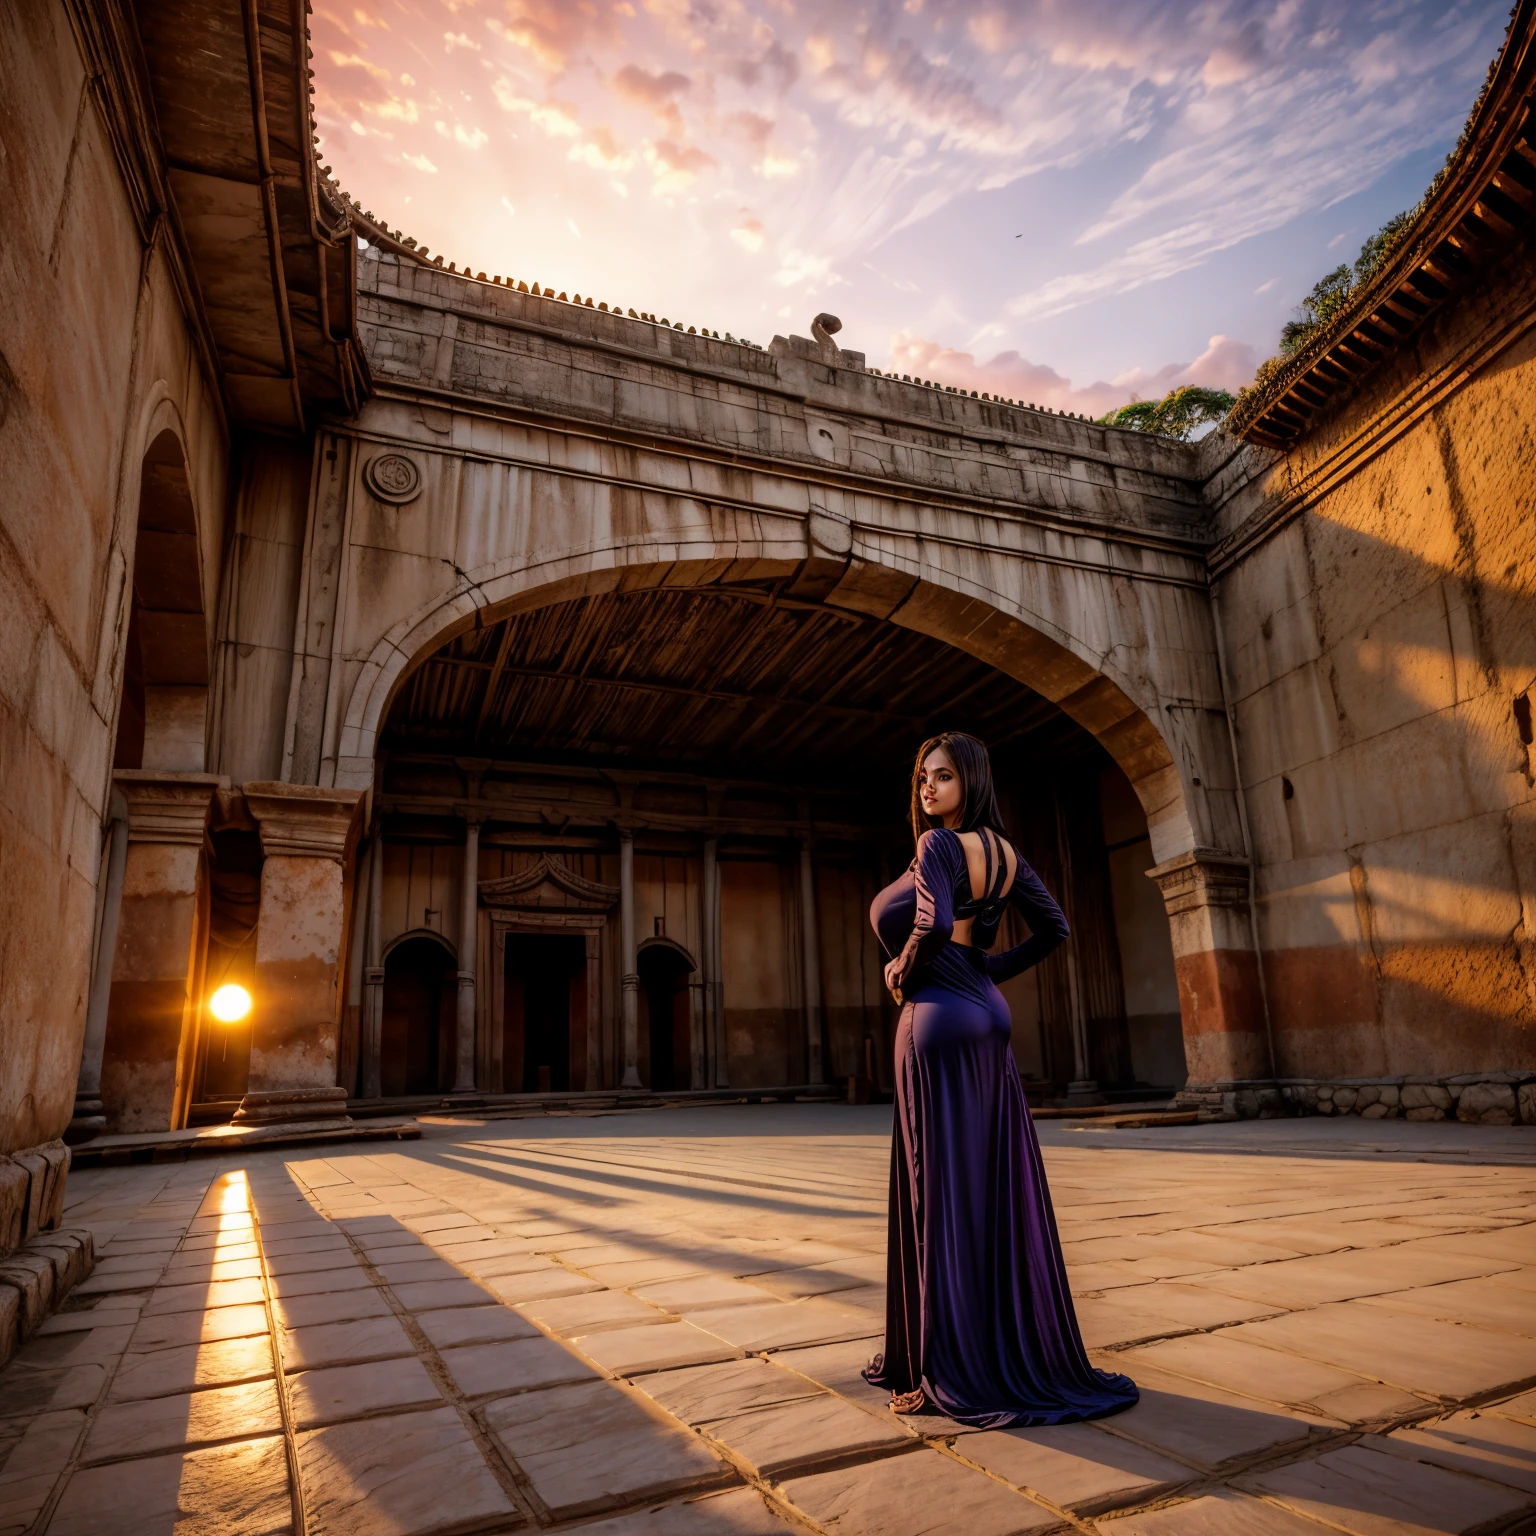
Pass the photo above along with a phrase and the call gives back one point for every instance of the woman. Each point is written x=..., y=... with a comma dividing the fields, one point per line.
x=979, y=1321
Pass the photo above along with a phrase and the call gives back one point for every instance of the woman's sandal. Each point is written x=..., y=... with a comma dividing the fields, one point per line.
x=908, y=1402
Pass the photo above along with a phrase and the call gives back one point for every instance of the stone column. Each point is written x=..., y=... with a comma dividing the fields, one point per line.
x=151, y=1010
x=469, y=933
x=1225, y=1040
x=306, y=838
x=631, y=979
x=714, y=990
x=370, y=1046
x=810, y=965
x=89, y=1117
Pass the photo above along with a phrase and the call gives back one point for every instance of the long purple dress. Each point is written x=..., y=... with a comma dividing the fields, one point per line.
x=978, y=1312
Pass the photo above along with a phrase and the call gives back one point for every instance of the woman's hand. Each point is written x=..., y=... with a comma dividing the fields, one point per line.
x=893, y=981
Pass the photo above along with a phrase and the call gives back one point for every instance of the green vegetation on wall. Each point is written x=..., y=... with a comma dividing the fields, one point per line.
x=1177, y=414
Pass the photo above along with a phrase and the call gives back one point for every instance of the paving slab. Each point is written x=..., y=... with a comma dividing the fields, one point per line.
x=369, y=1338
x=185, y=1421
x=1484, y=1301
x=785, y=1324
x=539, y=1285
x=187, y=1367
x=30, y=1463
x=1076, y=1467
x=410, y=1474
x=697, y=1394
x=347, y=1276
x=1368, y=1492
x=199, y=1298
x=432, y=1295
x=160, y=1332
x=338, y=1392
x=1251, y=1370
x=597, y=1445
x=592, y=1312
x=401, y=1271
x=1522, y=1407
x=1225, y=1513
x=514, y=1366
x=1485, y=1445
x=652, y=1347
x=737, y=1512
x=798, y=1434
x=921, y=1493
x=231, y=1490
x=1200, y=1424
x=1309, y=1282
x=474, y=1325
x=330, y=1307
x=1426, y=1355
x=701, y=1292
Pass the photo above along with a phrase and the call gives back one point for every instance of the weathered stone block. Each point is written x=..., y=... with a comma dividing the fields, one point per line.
x=1527, y=1103
x=32, y=1276
x=13, y=1204
x=1375, y=1112
x=10, y=1321
x=1425, y=1112
x=1389, y=1095
x=1344, y=1099
x=1486, y=1104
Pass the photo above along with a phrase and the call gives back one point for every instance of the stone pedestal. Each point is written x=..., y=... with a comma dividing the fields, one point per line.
x=306, y=838
x=149, y=1046
x=1206, y=893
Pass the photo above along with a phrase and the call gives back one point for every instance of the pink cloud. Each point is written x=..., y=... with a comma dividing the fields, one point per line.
x=1225, y=364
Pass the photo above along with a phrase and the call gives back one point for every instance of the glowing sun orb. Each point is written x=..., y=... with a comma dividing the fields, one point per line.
x=230, y=1003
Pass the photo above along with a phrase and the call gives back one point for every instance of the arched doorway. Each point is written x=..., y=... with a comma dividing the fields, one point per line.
x=544, y=973
x=718, y=739
x=418, y=1026
x=664, y=970
x=146, y=1044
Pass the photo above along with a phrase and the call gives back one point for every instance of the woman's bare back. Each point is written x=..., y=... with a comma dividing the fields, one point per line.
x=976, y=867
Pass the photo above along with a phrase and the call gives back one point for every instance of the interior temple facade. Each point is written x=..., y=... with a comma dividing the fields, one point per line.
x=517, y=695
x=660, y=818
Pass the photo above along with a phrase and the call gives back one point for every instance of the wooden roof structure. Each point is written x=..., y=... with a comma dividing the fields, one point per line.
x=1483, y=205
x=741, y=682
x=209, y=104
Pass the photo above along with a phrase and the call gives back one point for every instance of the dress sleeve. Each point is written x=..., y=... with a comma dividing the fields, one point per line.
x=939, y=858
x=1047, y=925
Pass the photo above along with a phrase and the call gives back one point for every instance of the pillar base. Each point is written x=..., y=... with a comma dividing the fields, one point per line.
x=89, y=1120
x=1083, y=1091
x=280, y=1106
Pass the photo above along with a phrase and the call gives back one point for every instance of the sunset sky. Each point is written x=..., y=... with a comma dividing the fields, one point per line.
x=1062, y=201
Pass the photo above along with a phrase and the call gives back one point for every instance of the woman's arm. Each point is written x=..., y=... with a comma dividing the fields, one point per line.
x=939, y=857
x=1047, y=926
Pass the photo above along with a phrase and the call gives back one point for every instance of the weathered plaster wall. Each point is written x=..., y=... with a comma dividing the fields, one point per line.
x=95, y=360
x=1380, y=624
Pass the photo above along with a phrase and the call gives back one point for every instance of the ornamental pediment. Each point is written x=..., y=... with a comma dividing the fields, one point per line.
x=549, y=883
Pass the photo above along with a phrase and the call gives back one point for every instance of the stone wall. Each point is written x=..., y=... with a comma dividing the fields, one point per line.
x=1377, y=596
x=96, y=360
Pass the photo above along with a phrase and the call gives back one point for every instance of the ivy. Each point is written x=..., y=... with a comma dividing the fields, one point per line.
x=1178, y=414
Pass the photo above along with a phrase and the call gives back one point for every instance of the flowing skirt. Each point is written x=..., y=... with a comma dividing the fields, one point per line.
x=978, y=1312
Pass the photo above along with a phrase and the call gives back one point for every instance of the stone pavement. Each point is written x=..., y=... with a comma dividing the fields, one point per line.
x=651, y=1324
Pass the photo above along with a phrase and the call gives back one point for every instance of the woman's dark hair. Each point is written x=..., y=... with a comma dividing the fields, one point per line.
x=978, y=798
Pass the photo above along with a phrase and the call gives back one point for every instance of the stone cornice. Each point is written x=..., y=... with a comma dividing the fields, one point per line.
x=167, y=808
x=1204, y=877
x=304, y=821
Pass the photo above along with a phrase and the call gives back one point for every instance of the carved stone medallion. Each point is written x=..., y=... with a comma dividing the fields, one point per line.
x=393, y=478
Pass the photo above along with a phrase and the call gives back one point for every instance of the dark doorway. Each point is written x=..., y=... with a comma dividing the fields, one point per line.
x=542, y=975
x=417, y=974
x=664, y=973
